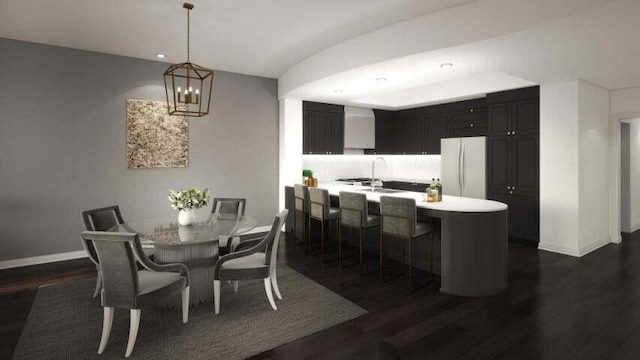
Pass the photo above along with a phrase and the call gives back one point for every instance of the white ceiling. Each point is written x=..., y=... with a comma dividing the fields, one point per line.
x=256, y=37
x=317, y=46
x=599, y=44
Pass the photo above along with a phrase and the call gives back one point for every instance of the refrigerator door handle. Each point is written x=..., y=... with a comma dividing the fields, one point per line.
x=459, y=164
x=462, y=167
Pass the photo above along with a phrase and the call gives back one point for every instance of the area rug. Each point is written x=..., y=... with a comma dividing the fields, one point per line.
x=66, y=323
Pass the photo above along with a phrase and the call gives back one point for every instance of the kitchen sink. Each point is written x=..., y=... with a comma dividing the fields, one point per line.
x=382, y=190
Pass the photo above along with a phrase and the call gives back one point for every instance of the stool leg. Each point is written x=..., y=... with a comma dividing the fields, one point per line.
x=410, y=265
x=309, y=239
x=381, y=254
x=339, y=243
x=431, y=267
x=361, y=255
x=322, y=241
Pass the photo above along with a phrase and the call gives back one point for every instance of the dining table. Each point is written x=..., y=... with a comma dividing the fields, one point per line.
x=196, y=246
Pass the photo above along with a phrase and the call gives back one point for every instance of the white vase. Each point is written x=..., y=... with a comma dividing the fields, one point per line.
x=187, y=217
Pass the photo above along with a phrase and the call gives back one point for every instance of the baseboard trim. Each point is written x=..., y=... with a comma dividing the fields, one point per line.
x=574, y=252
x=595, y=246
x=42, y=259
x=558, y=249
x=631, y=229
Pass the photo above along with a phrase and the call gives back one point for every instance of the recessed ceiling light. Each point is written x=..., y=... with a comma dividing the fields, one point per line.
x=381, y=80
x=446, y=65
x=337, y=91
x=161, y=56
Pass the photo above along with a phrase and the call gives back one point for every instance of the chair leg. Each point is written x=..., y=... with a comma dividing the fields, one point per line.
x=216, y=296
x=185, y=305
x=98, y=285
x=235, y=286
x=361, y=252
x=107, y=321
x=381, y=254
x=322, y=241
x=410, y=265
x=274, y=284
x=340, y=243
x=133, y=330
x=267, y=288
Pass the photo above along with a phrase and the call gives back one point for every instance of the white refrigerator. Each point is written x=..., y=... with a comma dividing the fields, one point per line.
x=464, y=171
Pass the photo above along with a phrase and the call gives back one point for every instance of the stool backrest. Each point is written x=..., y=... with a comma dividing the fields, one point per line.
x=319, y=203
x=398, y=216
x=353, y=209
x=301, y=193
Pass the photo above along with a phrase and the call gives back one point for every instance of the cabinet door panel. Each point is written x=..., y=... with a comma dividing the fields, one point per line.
x=526, y=117
x=336, y=133
x=306, y=132
x=436, y=128
x=499, y=163
x=413, y=131
x=319, y=139
x=398, y=136
x=384, y=133
x=523, y=215
x=499, y=119
x=525, y=175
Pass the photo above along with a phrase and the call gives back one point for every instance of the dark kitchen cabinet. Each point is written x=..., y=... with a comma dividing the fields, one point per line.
x=384, y=132
x=513, y=169
x=436, y=128
x=322, y=128
x=469, y=122
x=413, y=135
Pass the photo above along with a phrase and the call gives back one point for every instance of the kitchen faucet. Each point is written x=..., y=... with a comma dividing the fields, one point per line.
x=373, y=172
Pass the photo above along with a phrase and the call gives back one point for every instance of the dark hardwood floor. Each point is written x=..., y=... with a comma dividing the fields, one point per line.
x=556, y=307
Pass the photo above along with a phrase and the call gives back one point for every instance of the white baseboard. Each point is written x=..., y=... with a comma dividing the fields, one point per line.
x=43, y=259
x=631, y=228
x=595, y=246
x=559, y=249
x=572, y=251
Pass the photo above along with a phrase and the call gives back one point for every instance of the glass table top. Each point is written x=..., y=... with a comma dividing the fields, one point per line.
x=167, y=231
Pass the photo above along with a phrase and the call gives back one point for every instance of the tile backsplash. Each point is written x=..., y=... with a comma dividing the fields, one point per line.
x=399, y=167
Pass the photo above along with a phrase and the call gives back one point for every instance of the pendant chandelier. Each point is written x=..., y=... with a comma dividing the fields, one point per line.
x=187, y=85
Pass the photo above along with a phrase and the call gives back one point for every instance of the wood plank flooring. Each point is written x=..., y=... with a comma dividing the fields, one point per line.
x=556, y=307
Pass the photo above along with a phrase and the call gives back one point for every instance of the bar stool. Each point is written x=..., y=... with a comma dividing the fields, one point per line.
x=354, y=214
x=320, y=209
x=301, y=200
x=399, y=220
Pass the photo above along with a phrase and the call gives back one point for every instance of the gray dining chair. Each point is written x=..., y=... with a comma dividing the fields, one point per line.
x=354, y=214
x=398, y=219
x=301, y=206
x=255, y=259
x=126, y=287
x=101, y=219
x=320, y=210
x=229, y=206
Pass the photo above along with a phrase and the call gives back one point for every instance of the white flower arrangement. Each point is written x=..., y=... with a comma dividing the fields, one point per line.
x=187, y=199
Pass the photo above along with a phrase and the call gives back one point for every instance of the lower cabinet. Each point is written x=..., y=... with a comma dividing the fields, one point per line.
x=406, y=186
x=523, y=214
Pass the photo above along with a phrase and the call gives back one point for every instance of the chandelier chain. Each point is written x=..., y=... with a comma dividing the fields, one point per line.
x=188, y=35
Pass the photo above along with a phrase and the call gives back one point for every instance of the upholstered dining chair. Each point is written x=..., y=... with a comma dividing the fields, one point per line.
x=101, y=219
x=255, y=259
x=399, y=220
x=126, y=287
x=232, y=207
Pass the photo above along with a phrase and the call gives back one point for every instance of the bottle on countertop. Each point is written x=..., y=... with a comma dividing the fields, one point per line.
x=439, y=187
x=432, y=192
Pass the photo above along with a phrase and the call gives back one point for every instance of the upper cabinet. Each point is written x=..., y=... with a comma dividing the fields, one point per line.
x=322, y=128
x=385, y=122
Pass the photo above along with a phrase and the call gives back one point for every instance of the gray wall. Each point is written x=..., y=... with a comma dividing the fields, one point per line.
x=62, y=144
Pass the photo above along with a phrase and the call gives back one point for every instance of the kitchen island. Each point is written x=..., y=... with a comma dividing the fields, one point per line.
x=473, y=238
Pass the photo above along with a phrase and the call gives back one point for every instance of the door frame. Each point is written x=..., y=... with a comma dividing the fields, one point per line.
x=614, y=173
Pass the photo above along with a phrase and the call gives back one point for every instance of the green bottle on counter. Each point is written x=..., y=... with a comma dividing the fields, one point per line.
x=439, y=187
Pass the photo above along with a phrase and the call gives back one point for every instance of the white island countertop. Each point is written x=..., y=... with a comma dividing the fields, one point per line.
x=448, y=203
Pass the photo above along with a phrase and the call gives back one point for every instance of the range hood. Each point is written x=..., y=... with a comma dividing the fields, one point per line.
x=359, y=128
